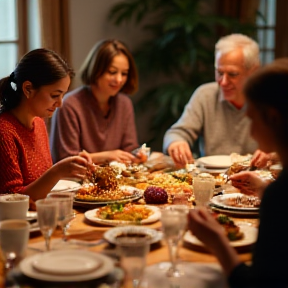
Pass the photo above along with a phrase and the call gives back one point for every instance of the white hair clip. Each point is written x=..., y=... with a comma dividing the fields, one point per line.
x=14, y=86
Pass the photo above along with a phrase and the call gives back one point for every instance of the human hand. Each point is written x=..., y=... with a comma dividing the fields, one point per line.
x=260, y=159
x=205, y=227
x=86, y=155
x=72, y=167
x=113, y=155
x=180, y=153
x=249, y=183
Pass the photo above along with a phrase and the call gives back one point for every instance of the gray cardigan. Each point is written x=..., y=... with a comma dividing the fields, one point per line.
x=222, y=127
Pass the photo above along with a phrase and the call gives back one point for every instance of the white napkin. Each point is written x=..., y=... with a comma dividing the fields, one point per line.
x=200, y=275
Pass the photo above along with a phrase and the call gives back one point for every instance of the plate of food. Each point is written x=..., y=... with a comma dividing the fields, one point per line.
x=89, y=195
x=123, y=214
x=115, y=233
x=237, y=202
x=241, y=235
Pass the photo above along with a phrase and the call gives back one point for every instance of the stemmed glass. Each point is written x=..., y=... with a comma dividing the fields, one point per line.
x=47, y=213
x=65, y=209
x=174, y=222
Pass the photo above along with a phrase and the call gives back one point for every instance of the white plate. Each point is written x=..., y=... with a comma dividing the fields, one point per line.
x=219, y=201
x=111, y=234
x=34, y=227
x=215, y=161
x=64, y=185
x=26, y=267
x=91, y=215
x=31, y=215
x=64, y=262
x=216, y=171
x=250, y=237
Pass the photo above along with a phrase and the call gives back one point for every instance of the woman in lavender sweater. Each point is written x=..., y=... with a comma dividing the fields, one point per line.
x=98, y=117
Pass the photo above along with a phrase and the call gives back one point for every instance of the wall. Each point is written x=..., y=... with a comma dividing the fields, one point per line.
x=88, y=24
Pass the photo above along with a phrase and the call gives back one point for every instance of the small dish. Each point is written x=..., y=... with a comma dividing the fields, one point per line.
x=112, y=234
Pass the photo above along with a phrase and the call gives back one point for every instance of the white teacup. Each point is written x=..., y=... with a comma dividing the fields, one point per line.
x=13, y=206
x=14, y=236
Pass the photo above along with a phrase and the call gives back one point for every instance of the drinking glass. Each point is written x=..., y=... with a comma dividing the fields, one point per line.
x=203, y=189
x=65, y=209
x=47, y=213
x=14, y=236
x=133, y=252
x=174, y=222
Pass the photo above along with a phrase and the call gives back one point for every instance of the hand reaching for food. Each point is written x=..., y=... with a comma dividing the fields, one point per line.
x=180, y=153
x=249, y=183
x=141, y=154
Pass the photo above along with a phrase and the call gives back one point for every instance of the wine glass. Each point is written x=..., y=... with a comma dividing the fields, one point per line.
x=174, y=222
x=65, y=209
x=47, y=213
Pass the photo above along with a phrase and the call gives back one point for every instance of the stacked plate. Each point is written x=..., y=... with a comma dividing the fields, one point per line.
x=66, y=185
x=66, y=266
x=221, y=204
x=214, y=164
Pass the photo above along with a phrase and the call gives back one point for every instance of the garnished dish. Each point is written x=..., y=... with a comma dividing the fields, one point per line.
x=126, y=212
x=116, y=214
x=241, y=235
x=231, y=230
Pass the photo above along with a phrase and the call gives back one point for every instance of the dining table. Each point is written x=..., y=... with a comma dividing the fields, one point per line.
x=197, y=262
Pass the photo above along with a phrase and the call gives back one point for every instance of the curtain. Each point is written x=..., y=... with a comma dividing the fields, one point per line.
x=243, y=10
x=54, y=26
x=281, y=39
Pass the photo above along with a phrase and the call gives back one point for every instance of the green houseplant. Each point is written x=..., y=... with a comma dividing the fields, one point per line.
x=180, y=50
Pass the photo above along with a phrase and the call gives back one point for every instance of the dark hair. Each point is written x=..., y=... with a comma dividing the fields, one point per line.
x=40, y=67
x=268, y=87
x=100, y=58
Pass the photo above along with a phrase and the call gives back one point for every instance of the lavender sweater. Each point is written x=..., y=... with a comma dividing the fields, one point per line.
x=222, y=127
x=79, y=124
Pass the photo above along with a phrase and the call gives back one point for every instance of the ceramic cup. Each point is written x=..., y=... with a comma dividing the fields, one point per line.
x=13, y=206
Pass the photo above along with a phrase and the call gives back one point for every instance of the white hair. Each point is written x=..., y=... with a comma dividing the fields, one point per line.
x=232, y=42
